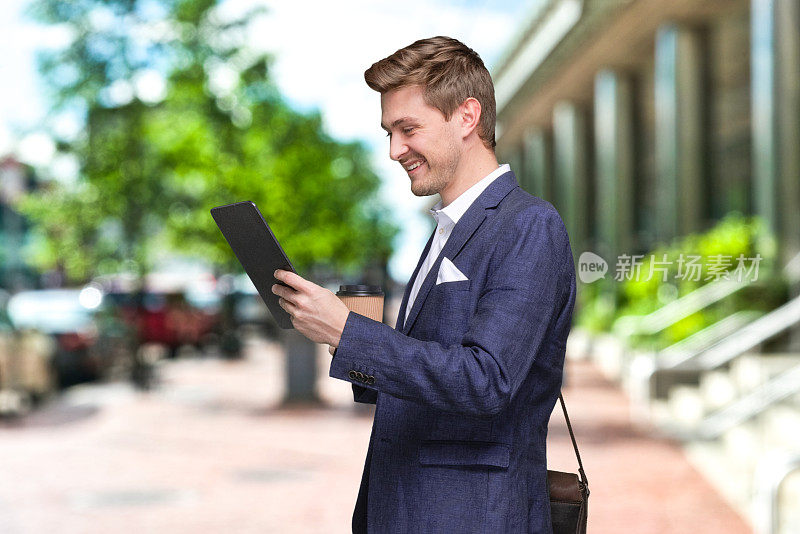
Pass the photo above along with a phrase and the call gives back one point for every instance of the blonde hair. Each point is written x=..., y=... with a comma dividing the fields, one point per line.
x=448, y=71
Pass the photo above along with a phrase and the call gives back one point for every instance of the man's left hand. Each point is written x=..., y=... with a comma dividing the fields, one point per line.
x=316, y=312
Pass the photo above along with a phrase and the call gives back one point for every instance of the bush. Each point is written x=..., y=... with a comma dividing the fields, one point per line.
x=733, y=249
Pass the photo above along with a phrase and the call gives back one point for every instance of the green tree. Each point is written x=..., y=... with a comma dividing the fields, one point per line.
x=152, y=165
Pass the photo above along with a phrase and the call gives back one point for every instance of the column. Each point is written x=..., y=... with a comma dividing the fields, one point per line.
x=570, y=189
x=679, y=132
x=776, y=128
x=537, y=153
x=787, y=55
x=614, y=149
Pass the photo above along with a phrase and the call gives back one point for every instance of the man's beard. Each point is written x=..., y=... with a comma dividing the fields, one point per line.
x=438, y=175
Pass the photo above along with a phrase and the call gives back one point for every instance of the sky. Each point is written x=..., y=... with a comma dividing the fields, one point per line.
x=321, y=50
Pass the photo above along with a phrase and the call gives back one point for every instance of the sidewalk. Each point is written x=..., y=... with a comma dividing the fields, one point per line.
x=638, y=483
x=211, y=451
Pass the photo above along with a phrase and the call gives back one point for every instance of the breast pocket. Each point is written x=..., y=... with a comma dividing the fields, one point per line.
x=458, y=285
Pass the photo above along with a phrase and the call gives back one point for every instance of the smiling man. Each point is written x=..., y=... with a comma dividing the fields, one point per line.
x=465, y=383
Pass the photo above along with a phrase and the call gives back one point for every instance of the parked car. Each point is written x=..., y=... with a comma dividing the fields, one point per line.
x=26, y=373
x=172, y=313
x=68, y=315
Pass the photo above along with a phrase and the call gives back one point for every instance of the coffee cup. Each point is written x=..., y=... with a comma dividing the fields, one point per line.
x=363, y=299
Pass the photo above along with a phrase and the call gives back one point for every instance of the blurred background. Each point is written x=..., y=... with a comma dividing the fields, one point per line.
x=144, y=387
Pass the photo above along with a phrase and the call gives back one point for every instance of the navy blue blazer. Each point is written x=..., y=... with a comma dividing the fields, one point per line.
x=465, y=387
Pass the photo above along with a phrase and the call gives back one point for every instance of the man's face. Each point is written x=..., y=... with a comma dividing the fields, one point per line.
x=426, y=145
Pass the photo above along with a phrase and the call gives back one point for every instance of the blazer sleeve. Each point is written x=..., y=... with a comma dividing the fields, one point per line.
x=361, y=393
x=530, y=273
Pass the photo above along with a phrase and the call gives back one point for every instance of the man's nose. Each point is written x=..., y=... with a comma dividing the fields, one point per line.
x=397, y=148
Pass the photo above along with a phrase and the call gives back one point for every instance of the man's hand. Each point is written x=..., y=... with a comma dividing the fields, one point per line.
x=316, y=312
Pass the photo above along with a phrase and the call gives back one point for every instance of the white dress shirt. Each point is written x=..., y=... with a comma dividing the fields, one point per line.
x=446, y=218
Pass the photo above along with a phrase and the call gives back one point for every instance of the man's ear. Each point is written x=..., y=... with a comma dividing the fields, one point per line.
x=470, y=114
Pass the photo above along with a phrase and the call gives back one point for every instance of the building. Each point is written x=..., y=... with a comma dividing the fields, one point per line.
x=646, y=120
x=643, y=120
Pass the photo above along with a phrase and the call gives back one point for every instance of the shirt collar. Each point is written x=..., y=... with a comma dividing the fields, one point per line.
x=453, y=212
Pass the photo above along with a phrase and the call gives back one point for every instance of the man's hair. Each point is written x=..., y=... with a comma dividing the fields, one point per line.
x=448, y=71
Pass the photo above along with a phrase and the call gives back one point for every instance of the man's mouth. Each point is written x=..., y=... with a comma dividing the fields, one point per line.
x=411, y=167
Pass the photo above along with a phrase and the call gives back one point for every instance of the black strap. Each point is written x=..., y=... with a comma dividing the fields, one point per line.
x=574, y=443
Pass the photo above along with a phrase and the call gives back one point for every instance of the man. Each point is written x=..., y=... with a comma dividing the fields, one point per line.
x=466, y=382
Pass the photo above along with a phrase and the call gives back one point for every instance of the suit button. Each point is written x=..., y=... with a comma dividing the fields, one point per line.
x=352, y=374
x=370, y=379
x=360, y=376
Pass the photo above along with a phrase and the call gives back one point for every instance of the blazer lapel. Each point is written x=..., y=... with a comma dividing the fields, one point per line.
x=462, y=232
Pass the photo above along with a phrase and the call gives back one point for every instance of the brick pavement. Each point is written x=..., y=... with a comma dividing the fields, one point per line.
x=212, y=451
x=639, y=483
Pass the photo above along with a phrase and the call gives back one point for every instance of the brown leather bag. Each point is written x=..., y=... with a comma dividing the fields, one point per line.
x=569, y=495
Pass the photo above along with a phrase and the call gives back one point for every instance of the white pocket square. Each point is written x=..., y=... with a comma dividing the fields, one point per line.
x=448, y=272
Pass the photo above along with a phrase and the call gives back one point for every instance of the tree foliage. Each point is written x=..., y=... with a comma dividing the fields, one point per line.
x=154, y=160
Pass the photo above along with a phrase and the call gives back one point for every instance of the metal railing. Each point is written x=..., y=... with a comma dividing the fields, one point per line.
x=679, y=309
x=707, y=351
x=769, y=476
x=752, y=335
x=741, y=341
x=697, y=343
x=753, y=403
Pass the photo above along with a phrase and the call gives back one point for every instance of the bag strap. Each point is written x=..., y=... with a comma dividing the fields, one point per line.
x=574, y=443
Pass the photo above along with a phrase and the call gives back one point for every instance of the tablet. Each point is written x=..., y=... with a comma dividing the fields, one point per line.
x=256, y=248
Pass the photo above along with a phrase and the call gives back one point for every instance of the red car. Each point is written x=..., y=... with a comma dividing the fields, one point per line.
x=167, y=314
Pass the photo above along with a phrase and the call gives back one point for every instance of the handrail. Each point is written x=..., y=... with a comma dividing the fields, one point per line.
x=753, y=403
x=770, y=474
x=679, y=309
x=755, y=333
x=644, y=367
x=693, y=302
x=706, y=338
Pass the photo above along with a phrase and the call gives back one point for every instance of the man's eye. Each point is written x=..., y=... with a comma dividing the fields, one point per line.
x=407, y=131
